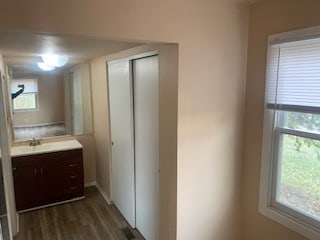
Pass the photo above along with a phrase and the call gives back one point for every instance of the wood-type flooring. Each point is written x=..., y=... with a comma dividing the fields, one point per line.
x=88, y=219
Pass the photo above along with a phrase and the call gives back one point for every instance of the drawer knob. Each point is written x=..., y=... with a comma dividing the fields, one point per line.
x=72, y=165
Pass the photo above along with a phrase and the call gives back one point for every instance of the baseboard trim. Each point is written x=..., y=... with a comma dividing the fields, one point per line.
x=90, y=184
x=104, y=194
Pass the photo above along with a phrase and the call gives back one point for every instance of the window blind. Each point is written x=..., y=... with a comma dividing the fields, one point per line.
x=293, y=76
x=30, y=85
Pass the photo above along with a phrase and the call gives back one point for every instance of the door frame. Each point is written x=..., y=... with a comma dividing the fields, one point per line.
x=6, y=162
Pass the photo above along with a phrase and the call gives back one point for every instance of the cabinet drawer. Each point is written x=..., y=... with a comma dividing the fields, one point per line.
x=76, y=190
x=73, y=185
x=72, y=180
x=72, y=170
x=72, y=167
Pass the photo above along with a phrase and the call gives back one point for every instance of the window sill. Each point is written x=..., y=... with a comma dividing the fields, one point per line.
x=290, y=222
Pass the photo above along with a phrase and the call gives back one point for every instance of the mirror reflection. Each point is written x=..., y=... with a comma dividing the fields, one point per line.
x=49, y=80
x=48, y=103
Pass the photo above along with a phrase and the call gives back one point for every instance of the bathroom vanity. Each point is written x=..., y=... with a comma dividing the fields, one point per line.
x=47, y=174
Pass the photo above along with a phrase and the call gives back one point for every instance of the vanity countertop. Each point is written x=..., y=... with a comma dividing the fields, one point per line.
x=24, y=150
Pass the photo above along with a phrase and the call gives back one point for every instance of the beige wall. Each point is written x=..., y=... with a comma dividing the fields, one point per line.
x=210, y=121
x=266, y=17
x=101, y=123
x=89, y=157
x=212, y=55
x=51, y=102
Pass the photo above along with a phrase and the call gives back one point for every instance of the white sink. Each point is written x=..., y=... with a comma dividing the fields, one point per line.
x=24, y=150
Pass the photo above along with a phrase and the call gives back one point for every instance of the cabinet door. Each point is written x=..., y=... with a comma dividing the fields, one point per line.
x=26, y=185
x=51, y=182
x=47, y=178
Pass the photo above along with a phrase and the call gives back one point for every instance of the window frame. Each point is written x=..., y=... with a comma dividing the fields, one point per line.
x=268, y=206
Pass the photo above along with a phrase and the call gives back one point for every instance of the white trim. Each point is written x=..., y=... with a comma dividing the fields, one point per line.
x=37, y=125
x=266, y=172
x=104, y=194
x=290, y=222
x=0, y=233
x=6, y=162
x=51, y=204
x=295, y=35
x=135, y=56
x=90, y=184
x=267, y=159
x=136, y=52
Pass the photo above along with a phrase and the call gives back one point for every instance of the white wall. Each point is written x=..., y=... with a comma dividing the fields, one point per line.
x=212, y=37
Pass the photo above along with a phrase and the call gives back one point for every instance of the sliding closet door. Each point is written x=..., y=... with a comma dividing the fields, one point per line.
x=121, y=117
x=146, y=115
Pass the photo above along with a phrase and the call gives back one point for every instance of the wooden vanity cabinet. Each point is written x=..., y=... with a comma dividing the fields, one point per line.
x=47, y=178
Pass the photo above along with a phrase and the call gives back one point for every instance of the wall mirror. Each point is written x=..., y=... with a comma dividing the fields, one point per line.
x=48, y=103
x=49, y=82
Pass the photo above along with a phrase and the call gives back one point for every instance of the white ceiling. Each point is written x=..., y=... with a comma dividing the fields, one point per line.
x=23, y=50
x=13, y=44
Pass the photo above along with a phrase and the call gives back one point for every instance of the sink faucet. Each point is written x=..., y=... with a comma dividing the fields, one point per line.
x=34, y=142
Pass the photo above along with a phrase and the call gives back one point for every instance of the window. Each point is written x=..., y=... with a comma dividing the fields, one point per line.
x=290, y=171
x=28, y=99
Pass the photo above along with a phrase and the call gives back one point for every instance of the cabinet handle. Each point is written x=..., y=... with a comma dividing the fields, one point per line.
x=73, y=177
x=14, y=168
x=35, y=171
x=72, y=188
x=72, y=165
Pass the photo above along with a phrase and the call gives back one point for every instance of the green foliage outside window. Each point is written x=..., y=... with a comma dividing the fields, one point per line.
x=306, y=122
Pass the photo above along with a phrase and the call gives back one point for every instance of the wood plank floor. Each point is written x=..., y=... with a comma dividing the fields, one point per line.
x=88, y=219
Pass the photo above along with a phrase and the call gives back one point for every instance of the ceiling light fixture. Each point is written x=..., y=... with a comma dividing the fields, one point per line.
x=55, y=60
x=45, y=67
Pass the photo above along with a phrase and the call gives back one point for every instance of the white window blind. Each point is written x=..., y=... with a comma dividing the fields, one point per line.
x=293, y=74
x=30, y=85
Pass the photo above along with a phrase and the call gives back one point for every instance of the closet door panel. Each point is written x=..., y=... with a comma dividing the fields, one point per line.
x=146, y=116
x=121, y=117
